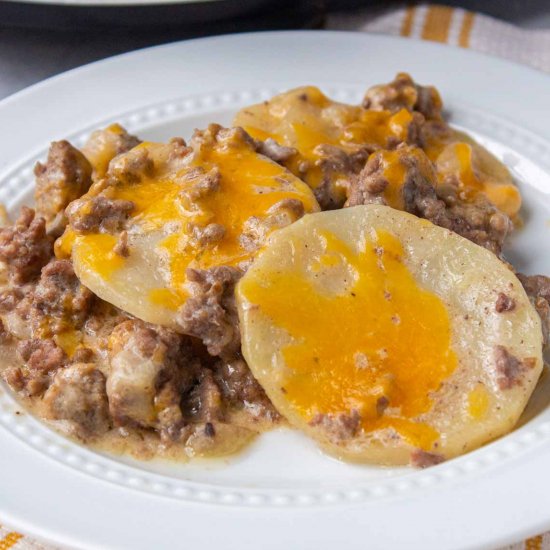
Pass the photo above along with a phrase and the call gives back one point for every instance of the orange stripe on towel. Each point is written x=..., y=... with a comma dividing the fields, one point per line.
x=406, y=27
x=466, y=30
x=534, y=543
x=437, y=23
x=9, y=540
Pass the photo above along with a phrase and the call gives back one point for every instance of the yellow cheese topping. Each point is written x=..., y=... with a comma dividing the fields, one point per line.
x=476, y=170
x=383, y=340
x=478, y=402
x=305, y=118
x=168, y=212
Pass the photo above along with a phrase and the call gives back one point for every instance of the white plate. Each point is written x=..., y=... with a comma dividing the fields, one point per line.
x=281, y=493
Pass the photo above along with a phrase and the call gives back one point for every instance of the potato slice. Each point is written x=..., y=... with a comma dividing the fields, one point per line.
x=164, y=208
x=477, y=171
x=386, y=338
x=329, y=141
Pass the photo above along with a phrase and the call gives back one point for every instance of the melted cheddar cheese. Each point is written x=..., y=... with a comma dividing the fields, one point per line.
x=167, y=226
x=305, y=119
x=477, y=172
x=309, y=121
x=379, y=338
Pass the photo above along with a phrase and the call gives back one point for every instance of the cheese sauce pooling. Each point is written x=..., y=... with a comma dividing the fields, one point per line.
x=379, y=340
x=211, y=206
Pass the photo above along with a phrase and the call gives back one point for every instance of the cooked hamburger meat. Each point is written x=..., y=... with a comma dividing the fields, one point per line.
x=150, y=368
x=25, y=247
x=99, y=213
x=209, y=313
x=509, y=368
x=66, y=176
x=421, y=195
x=240, y=388
x=41, y=359
x=423, y=459
x=538, y=290
x=59, y=300
x=403, y=92
x=77, y=397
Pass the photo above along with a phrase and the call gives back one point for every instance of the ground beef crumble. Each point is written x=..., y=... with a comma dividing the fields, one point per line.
x=99, y=214
x=77, y=397
x=423, y=459
x=66, y=176
x=25, y=247
x=210, y=313
x=339, y=427
x=537, y=288
x=477, y=221
x=59, y=299
x=509, y=368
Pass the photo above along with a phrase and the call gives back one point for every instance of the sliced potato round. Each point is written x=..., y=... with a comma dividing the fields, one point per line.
x=477, y=171
x=386, y=338
x=164, y=208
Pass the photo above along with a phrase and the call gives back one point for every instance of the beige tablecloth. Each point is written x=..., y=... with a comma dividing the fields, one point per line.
x=428, y=22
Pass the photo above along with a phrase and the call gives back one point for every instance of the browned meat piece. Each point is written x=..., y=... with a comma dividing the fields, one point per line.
x=339, y=427
x=339, y=166
x=104, y=145
x=281, y=214
x=536, y=285
x=538, y=290
x=509, y=368
x=423, y=459
x=41, y=360
x=99, y=214
x=204, y=403
x=210, y=313
x=150, y=370
x=121, y=248
x=78, y=400
x=66, y=176
x=504, y=303
x=404, y=93
x=131, y=167
x=271, y=149
x=477, y=221
x=207, y=235
x=369, y=187
x=200, y=183
x=25, y=247
x=240, y=388
x=41, y=355
x=9, y=299
x=60, y=302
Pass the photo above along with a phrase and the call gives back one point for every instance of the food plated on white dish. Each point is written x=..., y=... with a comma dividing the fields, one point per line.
x=333, y=267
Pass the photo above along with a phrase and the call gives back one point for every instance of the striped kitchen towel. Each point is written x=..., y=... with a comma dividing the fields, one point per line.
x=453, y=26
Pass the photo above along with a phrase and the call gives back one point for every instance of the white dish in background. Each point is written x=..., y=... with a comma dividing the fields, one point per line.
x=282, y=492
x=114, y=3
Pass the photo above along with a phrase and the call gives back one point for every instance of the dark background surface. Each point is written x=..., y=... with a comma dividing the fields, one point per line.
x=38, y=41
